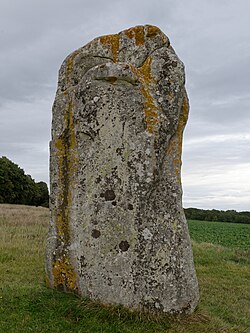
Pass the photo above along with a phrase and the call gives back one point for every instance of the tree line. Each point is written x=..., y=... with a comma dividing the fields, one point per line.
x=18, y=188
x=217, y=215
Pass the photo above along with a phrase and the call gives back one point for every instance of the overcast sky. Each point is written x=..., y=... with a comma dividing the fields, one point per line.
x=212, y=38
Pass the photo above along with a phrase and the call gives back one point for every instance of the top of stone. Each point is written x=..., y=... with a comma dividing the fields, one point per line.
x=132, y=46
x=138, y=37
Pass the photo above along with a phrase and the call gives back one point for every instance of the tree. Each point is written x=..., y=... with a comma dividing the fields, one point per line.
x=42, y=195
x=217, y=215
x=18, y=188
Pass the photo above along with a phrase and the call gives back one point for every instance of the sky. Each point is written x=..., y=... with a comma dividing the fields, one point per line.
x=211, y=37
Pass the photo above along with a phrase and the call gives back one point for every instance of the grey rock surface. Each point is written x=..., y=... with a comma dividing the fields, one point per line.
x=118, y=233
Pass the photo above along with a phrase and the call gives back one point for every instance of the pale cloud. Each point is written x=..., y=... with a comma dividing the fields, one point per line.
x=219, y=186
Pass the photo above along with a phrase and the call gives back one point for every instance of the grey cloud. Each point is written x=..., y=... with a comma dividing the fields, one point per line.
x=219, y=150
x=214, y=197
x=224, y=83
x=211, y=37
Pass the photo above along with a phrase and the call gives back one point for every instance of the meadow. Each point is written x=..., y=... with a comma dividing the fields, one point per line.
x=222, y=258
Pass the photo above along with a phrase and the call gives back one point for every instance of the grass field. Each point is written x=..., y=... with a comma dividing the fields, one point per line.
x=221, y=252
x=221, y=233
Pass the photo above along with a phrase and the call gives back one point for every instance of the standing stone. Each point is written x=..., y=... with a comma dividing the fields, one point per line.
x=118, y=233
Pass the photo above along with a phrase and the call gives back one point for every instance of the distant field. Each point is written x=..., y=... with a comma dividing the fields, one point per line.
x=222, y=233
x=26, y=305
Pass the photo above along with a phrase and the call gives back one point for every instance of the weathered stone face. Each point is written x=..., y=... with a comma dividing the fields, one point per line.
x=118, y=233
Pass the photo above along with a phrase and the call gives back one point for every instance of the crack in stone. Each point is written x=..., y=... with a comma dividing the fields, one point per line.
x=116, y=80
x=103, y=57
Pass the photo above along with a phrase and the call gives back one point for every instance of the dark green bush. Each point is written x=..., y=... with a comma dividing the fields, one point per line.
x=18, y=188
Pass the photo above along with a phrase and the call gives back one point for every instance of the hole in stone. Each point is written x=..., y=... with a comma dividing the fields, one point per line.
x=114, y=203
x=124, y=246
x=98, y=179
x=119, y=151
x=109, y=195
x=95, y=233
x=111, y=79
x=130, y=206
x=82, y=262
x=82, y=182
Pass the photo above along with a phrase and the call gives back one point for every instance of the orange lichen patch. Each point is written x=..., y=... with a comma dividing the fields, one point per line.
x=68, y=164
x=137, y=33
x=114, y=42
x=62, y=225
x=175, y=145
x=129, y=33
x=70, y=66
x=64, y=275
x=47, y=281
x=184, y=114
x=73, y=157
x=153, y=31
x=150, y=110
x=145, y=71
x=59, y=144
x=146, y=80
x=66, y=153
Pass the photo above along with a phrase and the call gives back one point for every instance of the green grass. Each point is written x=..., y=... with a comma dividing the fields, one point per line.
x=26, y=305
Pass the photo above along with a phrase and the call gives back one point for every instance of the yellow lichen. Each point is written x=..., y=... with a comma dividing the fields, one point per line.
x=64, y=275
x=147, y=81
x=59, y=146
x=137, y=33
x=175, y=145
x=66, y=153
x=70, y=66
x=143, y=73
x=129, y=33
x=153, y=31
x=67, y=160
x=113, y=41
x=47, y=281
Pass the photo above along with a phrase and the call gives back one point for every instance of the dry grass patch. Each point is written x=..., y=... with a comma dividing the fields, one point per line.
x=21, y=215
x=23, y=233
